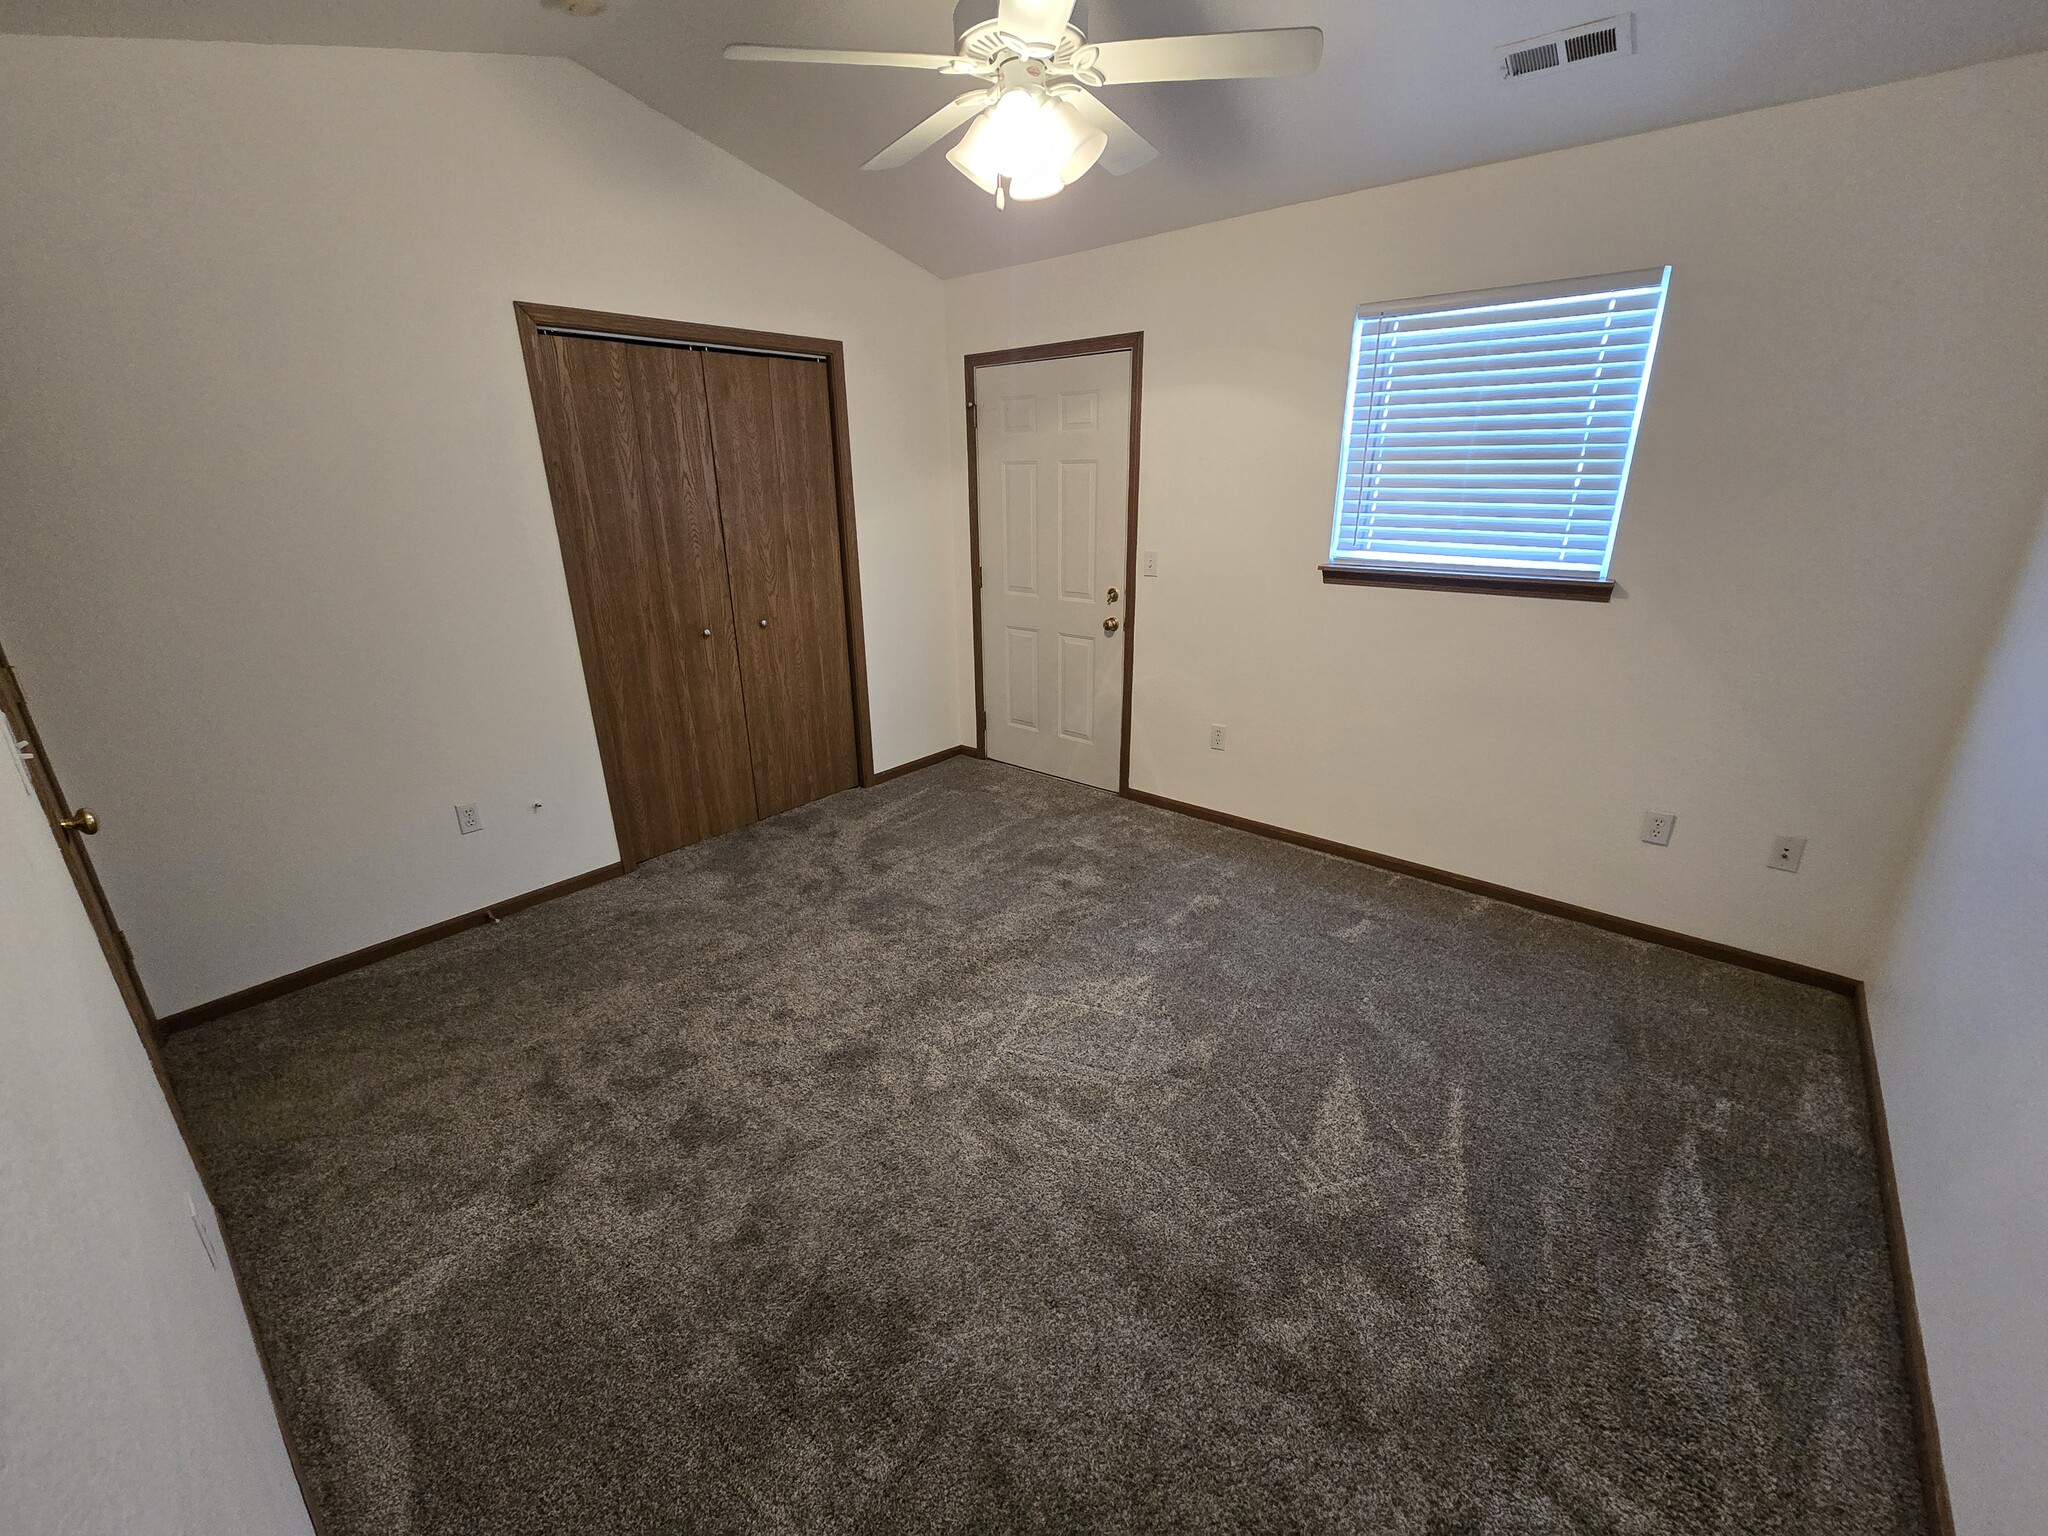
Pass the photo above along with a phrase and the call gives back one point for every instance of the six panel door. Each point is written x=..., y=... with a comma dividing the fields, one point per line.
x=1052, y=497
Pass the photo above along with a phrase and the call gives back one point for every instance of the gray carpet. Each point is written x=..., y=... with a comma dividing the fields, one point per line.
x=983, y=1152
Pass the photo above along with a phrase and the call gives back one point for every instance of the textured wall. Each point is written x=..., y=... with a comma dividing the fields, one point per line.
x=1959, y=1009
x=1840, y=461
x=281, y=577
x=131, y=1401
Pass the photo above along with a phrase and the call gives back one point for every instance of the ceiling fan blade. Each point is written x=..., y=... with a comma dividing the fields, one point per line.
x=938, y=63
x=930, y=131
x=1035, y=21
x=1216, y=56
x=1127, y=149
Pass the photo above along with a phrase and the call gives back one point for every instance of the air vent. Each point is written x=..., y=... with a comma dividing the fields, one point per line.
x=1583, y=44
x=1526, y=60
x=1590, y=45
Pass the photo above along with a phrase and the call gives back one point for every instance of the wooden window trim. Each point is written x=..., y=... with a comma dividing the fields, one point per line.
x=1570, y=588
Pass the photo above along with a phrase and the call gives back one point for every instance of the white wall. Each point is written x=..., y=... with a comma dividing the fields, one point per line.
x=1959, y=1012
x=280, y=573
x=131, y=1401
x=1840, y=461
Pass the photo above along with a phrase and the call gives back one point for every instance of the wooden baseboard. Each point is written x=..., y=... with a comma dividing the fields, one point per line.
x=1790, y=970
x=297, y=981
x=886, y=774
x=1927, y=1433
x=263, y=992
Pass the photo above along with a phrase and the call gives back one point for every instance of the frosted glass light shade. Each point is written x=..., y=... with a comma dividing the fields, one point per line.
x=975, y=155
x=1039, y=143
x=1086, y=144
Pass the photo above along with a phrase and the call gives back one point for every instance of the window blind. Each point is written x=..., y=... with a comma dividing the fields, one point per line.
x=1492, y=432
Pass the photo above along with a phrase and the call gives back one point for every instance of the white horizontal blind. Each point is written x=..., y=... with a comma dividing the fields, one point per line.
x=1491, y=433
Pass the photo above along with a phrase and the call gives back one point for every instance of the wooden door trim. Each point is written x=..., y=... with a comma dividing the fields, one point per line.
x=1132, y=342
x=98, y=910
x=532, y=319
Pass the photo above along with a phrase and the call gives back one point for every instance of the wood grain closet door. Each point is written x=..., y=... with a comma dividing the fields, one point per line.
x=636, y=504
x=771, y=423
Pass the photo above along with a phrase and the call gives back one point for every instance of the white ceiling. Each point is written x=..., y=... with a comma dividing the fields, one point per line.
x=1406, y=88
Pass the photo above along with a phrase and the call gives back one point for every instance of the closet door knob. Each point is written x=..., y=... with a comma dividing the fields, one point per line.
x=764, y=623
x=707, y=634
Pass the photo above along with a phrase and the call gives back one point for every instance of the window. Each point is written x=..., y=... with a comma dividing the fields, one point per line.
x=1487, y=436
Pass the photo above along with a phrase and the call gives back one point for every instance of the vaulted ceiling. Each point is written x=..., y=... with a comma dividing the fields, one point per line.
x=1406, y=88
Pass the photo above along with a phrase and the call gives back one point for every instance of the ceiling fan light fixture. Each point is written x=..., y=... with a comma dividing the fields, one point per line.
x=1033, y=124
x=1028, y=143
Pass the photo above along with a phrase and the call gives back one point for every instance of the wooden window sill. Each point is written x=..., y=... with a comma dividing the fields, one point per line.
x=1572, y=589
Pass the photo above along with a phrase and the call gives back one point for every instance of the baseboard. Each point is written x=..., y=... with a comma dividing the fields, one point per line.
x=1927, y=1433
x=263, y=992
x=886, y=774
x=1790, y=970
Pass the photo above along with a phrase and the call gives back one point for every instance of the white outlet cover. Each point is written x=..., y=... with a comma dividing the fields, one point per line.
x=1657, y=827
x=1216, y=735
x=467, y=820
x=1786, y=852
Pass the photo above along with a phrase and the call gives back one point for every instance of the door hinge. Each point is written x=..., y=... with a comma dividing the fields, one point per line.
x=972, y=410
x=980, y=577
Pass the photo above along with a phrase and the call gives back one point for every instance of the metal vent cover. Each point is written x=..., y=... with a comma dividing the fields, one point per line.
x=1589, y=40
x=1590, y=45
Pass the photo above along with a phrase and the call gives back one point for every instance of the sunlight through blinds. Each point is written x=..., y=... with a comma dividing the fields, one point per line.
x=1491, y=433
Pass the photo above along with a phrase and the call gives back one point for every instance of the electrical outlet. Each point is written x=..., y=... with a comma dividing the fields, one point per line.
x=1215, y=738
x=1151, y=562
x=1786, y=852
x=1657, y=827
x=467, y=820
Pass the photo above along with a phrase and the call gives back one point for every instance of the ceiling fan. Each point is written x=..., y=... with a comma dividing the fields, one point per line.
x=1035, y=126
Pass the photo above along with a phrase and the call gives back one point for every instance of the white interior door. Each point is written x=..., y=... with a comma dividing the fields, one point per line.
x=1052, y=446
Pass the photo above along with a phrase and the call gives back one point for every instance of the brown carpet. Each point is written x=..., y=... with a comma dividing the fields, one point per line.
x=983, y=1152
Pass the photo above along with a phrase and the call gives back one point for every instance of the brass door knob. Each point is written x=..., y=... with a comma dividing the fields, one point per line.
x=1111, y=625
x=1114, y=594
x=81, y=820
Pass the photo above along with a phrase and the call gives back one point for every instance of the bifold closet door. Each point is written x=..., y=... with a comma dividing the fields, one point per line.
x=771, y=425
x=636, y=504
